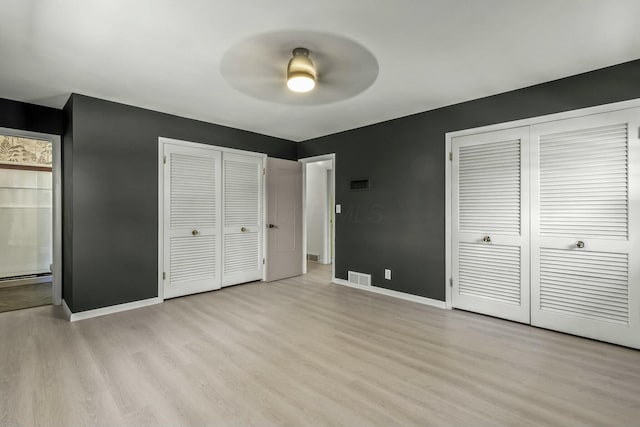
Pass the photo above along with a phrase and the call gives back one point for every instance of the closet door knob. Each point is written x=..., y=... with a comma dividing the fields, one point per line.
x=580, y=244
x=195, y=232
x=486, y=239
x=271, y=226
x=243, y=229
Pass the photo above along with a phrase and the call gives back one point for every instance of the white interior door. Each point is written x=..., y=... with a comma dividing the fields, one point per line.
x=585, y=225
x=284, y=218
x=243, y=226
x=192, y=215
x=490, y=217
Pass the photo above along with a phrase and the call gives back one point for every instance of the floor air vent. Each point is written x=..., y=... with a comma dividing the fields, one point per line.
x=359, y=278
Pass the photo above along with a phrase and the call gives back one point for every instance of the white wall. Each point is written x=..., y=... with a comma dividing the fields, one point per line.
x=317, y=211
x=25, y=222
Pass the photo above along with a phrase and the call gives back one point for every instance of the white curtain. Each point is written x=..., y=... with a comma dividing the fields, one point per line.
x=25, y=222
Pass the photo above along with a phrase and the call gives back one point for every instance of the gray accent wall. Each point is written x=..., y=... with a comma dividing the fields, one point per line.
x=110, y=183
x=399, y=223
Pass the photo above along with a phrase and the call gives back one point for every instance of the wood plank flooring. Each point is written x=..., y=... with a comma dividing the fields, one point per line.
x=302, y=351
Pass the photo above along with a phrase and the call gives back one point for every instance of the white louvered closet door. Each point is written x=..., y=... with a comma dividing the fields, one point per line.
x=490, y=213
x=585, y=190
x=243, y=228
x=192, y=212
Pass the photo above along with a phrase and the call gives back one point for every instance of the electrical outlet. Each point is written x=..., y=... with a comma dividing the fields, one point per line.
x=387, y=274
x=338, y=209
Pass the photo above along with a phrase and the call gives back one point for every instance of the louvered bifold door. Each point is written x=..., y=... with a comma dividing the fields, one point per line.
x=192, y=220
x=243, y=229
x=490, y=213
x=585, y=263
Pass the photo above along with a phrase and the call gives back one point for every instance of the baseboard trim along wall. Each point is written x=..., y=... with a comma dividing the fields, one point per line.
x=81, y=315
x=391, y=293
x=10, y=283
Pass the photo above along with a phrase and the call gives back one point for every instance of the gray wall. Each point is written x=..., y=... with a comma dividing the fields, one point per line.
x=110, y=182
x=399, y=222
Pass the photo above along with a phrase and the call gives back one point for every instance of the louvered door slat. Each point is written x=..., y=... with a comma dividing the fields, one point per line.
x=242, y=194
x=192, y=201
x=192, y=220
x=242, y=191
x=581, y=171
x=193, y=261
x=488, y=283
x=489, y=201
x=491, y=173
x=591, y=298
x=241, y=253
x=581, y=149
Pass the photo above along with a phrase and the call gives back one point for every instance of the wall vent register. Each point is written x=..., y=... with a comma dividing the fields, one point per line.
x=359, y=184
x=362, y=279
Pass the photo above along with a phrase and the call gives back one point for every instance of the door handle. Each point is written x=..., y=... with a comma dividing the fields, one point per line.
x=486, y=239
x=243, y=229
x=579, y=244
x=195, y=232
x=271, y=226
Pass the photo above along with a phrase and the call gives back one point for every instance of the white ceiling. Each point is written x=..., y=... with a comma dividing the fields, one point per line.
x=165, y=54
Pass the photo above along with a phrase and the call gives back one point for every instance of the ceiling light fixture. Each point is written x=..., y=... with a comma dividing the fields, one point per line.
x=301, y=73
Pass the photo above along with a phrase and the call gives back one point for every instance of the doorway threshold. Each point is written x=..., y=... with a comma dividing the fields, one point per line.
x=10, y=282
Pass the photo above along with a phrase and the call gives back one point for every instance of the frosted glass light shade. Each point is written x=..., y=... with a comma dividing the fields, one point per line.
x=301, y=73
x=301, y=83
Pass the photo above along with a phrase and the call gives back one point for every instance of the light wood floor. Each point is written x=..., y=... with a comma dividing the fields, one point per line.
x=305, y=352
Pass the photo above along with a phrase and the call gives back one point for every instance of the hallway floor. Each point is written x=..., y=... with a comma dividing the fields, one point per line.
x=25, y=296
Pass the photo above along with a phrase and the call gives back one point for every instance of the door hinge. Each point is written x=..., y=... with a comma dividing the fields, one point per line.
x=450, y=155
x=262, y=261
x=165, y=160
x=164, y=276
x=264, y=171
x=451, y=282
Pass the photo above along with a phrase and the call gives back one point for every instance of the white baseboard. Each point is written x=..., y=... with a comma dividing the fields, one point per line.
x=88, y=314
x=67, y=312
x=401, y=295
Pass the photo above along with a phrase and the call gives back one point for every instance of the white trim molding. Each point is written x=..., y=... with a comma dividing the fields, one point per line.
x=304, y=162
x=604, y=108
x=395, y=294
x=88, y=314
x=56, y=170
x=67, y=311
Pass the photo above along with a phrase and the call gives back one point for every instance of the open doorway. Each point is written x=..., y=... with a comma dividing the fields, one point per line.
x=318, y=215
x=29, y=220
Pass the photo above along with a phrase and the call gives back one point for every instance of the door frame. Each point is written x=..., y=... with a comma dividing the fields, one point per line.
x=304, y=162
x=604, y=108
x=56, y=209
x=161, y=142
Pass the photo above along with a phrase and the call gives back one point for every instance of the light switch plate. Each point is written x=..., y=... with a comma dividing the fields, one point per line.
x=387, y=274
x=338, y=209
